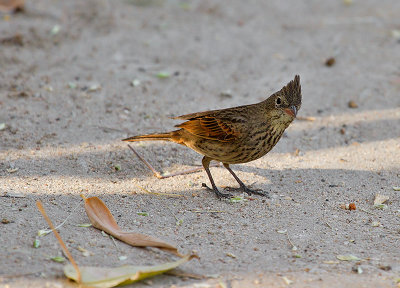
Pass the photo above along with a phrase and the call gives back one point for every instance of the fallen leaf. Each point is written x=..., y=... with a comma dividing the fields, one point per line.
x=380, y=199
x=163, y=75
x=396, y=188
x=348, y=257
x=376, y=224
x=352, y=104
x=287, y=280
x=135, y=82
x=231, y=255
x=103, y=277
x=36, y=243
x=59, y=259
x=331, y=262
x=84, y=225
x=237, y=199
x=102, y=219
x=330, y=61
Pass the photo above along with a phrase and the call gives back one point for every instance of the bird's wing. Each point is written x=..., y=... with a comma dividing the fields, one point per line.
x=210, y=126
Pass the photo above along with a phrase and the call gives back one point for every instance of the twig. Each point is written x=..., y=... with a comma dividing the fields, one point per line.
x=166, y=175
x=47, y=231
x=63, y=246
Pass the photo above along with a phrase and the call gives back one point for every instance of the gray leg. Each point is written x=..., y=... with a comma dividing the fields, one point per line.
x=244, y=187
x=206, y=164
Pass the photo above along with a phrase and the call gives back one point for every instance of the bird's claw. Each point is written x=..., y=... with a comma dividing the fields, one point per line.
x=255, y=191
x=219, y=194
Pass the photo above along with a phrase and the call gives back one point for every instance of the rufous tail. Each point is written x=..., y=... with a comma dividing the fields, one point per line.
x=149, y=137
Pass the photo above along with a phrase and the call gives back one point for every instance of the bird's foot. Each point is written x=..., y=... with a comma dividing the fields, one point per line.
x=255, y=191
x=217, y=192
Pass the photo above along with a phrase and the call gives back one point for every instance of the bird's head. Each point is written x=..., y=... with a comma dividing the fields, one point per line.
x=287, y=101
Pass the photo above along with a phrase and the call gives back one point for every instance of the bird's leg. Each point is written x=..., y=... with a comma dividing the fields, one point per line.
x=244, y=187
x=206, y=164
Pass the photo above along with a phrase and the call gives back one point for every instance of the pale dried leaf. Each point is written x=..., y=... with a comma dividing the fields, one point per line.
x=102, y=277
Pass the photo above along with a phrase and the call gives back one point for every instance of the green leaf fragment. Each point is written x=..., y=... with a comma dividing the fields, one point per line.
x=142, y=213
x=36, y=243
x=163, y=75
x=117, y=167
x=43, y=232
x=237, y=199
x=58, y=259
x=348, y=257
x=394, y=188
x=103, y=277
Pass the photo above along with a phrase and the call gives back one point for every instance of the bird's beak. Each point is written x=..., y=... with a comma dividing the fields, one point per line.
x=292, y=111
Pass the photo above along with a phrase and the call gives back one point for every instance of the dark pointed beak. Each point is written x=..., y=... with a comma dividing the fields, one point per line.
x=292, y=111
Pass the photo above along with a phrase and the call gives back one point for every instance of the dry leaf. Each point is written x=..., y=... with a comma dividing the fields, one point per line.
x=103, y=277
x=380, y=199
x=101, y=218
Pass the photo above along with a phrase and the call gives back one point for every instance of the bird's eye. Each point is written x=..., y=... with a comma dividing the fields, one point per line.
x=278, y=101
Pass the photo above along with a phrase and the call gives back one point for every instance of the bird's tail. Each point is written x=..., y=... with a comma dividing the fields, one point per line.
x=150, y=137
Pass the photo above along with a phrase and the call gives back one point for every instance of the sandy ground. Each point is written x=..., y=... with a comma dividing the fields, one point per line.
x=66, y=100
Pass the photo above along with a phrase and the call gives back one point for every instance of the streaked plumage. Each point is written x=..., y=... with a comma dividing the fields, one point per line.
x=236, y=135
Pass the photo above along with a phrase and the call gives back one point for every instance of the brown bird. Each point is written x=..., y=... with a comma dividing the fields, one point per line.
x=236, y=135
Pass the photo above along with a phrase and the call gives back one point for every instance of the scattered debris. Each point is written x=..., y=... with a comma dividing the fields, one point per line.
x=55, y=30
x=385, y=267
x=287, y=280
x=306, y=118
x=357, y=269
x=15, y=40
x=2, y=126
x=5, y=221
x=330, y=61
x=135, y=82
x=117, y=167
x=85, y=252
x=163, y=75
x=350, y=206
x=231, y=255
x=58, y=259
x=348, y=257
x=395, y=34
x=375, y=224
x=142, y=213
x=12, y=170
x=122, y=257
x=94, y=87
x=396, y=188
x=237, y=199
x=380, y=200
x=225, y=94
x=84, y=225
x=72, y=85
x=352, y=104
x=331, y=262
x=36, y=243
